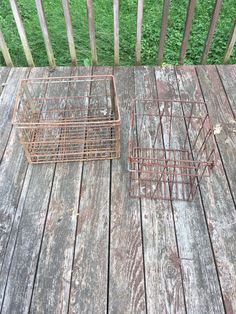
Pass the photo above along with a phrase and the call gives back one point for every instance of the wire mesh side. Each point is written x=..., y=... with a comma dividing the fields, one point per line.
x=171, y=147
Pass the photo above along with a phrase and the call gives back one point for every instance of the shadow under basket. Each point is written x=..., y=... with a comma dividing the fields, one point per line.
x=171, y=148
x=68, y=119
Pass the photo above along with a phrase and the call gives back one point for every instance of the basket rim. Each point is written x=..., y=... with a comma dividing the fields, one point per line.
x=59, y=79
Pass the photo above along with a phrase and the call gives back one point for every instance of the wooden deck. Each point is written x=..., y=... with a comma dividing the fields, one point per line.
x=71, y=239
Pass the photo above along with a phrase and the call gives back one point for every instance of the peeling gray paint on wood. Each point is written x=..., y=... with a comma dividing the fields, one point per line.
x=201, y=286
x=218, y=205
x=162, y=269
x=126, y=278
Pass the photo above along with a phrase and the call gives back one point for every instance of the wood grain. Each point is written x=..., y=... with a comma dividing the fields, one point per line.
x=211, y=30
x=163, y=31
x=4, y=72
x=126, y=277
x=69, y=30
x=6, y=104
x=21, y=31
x=90, y=269
x=222, y=118
x=12, y=174
x=231, y=43
x=201, y=286
x=5, y=51
x=218, y=205
x=188, y=24
x=116, y=31
x=22, y=273
x=162, y=270
x=44, y=29
x=91, y=28
x=52, y=285
x=139, y=32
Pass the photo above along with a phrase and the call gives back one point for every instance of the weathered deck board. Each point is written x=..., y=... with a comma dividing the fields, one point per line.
x=12, y=174
x=222, y=119
x=163, y=277
x=219, y=207
x=52, y=283
x=4, y=72
x=6, y=104
x=127, y=256
x=23, y=269
x=202, y=291
x=126, y=278
x=90, y=269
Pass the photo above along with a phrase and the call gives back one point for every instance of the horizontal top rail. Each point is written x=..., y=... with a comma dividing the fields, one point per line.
x=190, y=10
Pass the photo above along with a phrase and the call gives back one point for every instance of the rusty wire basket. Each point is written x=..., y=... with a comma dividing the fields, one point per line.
x=171, y=148
x=68, y=119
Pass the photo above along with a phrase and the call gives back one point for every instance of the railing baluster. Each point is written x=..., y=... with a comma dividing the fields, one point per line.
x=164, y=22
x=231, y=43
x=43, y=25
x=91, y=31
x=5, y=52
x=69, y=30
x=211, y=30
x=188, y=24
x=116, y=30
x=139, y=32
x=21, y=31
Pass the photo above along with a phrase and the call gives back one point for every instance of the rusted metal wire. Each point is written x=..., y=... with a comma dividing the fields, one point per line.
x=75, y=126
x=171, y=148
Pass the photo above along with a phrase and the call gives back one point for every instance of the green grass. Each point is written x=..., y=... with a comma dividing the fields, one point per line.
x=104, y=31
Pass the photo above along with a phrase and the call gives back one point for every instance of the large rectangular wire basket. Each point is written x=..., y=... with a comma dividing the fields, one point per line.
x=171, y=148
x=68, y=118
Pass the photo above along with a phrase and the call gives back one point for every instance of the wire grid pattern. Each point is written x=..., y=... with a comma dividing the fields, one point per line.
x=171, y=148
x=68, y=119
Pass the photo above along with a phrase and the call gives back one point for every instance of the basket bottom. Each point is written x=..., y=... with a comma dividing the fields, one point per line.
x=164, y=174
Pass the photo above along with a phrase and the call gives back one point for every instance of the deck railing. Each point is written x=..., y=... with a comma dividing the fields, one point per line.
x=92, y=33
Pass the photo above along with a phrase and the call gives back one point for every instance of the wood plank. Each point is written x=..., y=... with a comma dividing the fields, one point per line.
x=163, y=31
x=12, y=173
x=218, y=204
x=4, y=72
x=211, y=30
x=91, y=28
x=162, y=270
x=188, y=24
x=126, y=278
x=228, y=75
x=24, y=263
x=116, y=31
x=69, y=30
x=90, y=268
x=44, y=29
x=230, y=44
x=5, y=51
x=201, y=286
x=139, y=32
x=52, y=285
x=222, y=118
x=21, y=32
x=6, y=104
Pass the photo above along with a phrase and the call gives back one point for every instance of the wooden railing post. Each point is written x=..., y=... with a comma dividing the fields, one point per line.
x=211, y=30
x=69, y=30
x=116, y=31
x=5, y=52
x=231, y=43
x=163, y=31
x=92, y=36
x=43, y=25
x=139, y=32
x=21, y=31
x=188, y=24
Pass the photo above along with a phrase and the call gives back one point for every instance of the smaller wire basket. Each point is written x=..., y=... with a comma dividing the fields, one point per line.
x=68, y=119
x=171, y=148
